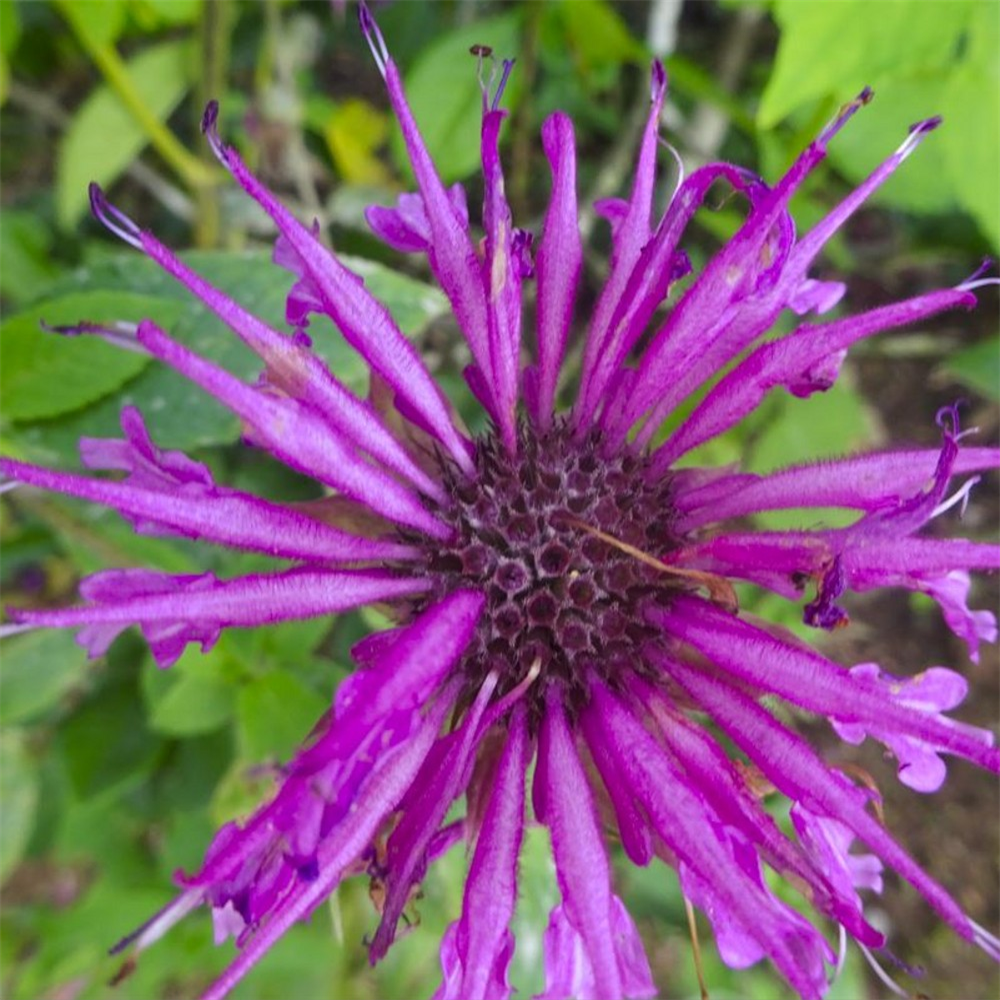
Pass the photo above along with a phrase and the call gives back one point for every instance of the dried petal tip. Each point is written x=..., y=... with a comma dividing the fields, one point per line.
x=373, y=37
x=112, y=218
x=845, y=114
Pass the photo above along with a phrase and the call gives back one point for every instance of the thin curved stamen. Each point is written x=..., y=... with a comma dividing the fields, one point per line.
x=373, y=36
x=961, y=495
x=113, y=219
x=120, y=334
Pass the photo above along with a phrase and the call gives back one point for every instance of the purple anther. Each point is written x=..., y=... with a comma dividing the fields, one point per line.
x=658, y=81
x=845, y=114
x=508, y=65
x=210, y=129
x=119, y=334
x=113, y=219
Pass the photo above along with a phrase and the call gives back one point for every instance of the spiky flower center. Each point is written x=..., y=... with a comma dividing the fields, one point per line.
x=561, y=600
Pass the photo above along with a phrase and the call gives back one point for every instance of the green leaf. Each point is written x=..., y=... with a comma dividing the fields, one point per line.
x=101, y=23
x=39, y=668
x=276, y=712
x=905, y=36
x=45, y=375
x=197, y=695
x=978, y=366
x=971, y=109
x=19, y=793
x=10, y=28
x=597, y=34
x=153, y=13
x=444, y=93
x=26, y=267
x=179, y=414
x=106, y=744
x=103, y=138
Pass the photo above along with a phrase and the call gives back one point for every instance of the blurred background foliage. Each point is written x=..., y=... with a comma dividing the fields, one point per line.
x=115, y=774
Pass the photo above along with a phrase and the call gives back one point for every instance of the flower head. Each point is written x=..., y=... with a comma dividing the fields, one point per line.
x=563, y=591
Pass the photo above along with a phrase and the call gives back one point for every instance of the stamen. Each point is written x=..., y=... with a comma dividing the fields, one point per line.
x=990, y=943
x=119, y=334
x=658, y=81
x=719, y=589
x=977, y=279
x=696, y=948
x=113, y=219
x=918, y=132
x=11, y=628
x=882, y=974
x=508, y=65
x=482, y=52
x=845, y=114
x=373, y=36
x=500, y=709
x=961, y=495
x=210, y=129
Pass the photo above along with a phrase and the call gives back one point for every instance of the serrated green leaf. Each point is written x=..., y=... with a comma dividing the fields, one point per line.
x=38, y=669
x=179, y=414
x=19, y=793
x=45, y=375
x=275, y=713
x=978, y=366
x=103, y=138
x=444, y=93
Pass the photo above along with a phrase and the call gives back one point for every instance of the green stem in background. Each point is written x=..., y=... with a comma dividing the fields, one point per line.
x=214, y=31
x=191, y=170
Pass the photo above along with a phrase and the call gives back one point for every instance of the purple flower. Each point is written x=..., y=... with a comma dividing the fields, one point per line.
x=561, y=588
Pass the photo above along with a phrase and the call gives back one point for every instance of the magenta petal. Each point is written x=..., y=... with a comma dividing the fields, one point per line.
x=477, y=949
x=569, y=974
x=299, y=371
x=795, y=361
x=175, y=610
x=407, y=227
x=213, y=514
x=560, y=260
x=442, y=778
x=502, y=281
x=365, y=323
x=297, y=436
x=932, y=691
x=793, y=766
x=808, y=679
x=869, y=482
x=380, y=794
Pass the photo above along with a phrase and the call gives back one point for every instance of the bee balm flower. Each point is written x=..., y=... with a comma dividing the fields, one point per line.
x=562, y=589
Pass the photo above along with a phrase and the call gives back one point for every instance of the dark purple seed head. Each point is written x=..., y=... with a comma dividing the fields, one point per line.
x=556, y=595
